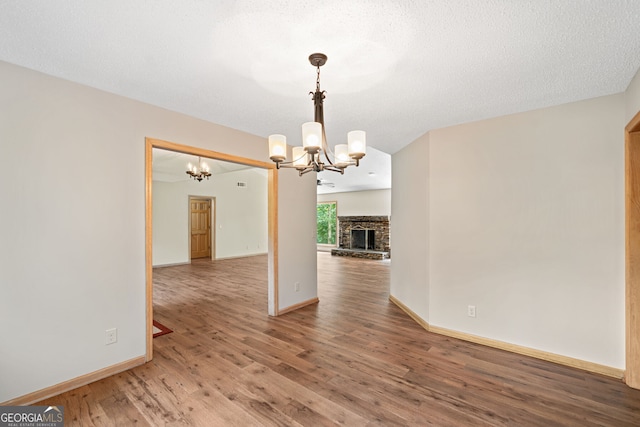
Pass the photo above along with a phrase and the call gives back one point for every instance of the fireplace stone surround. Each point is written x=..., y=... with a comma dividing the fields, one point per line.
x=376, y=228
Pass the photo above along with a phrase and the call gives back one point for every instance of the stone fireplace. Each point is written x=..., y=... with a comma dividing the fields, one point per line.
x=363, y=237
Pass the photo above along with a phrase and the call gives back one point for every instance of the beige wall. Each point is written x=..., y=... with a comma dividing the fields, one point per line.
x=525, y=219
x=239, y=223
x=632, y=98
x=409, y=226
x=526, y=223
x=357, y=203
x=72, y=251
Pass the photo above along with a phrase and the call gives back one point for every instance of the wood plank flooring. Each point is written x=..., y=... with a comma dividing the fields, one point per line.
x=354, y=359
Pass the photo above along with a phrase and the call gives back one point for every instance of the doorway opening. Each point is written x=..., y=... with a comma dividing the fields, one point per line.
x=272, y=209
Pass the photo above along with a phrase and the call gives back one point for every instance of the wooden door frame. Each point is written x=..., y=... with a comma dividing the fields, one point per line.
x=632, y=252
x=272, y=185
x=212, y=223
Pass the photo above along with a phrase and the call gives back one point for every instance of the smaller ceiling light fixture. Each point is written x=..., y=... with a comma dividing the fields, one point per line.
x=314, y=141
x=198, y=172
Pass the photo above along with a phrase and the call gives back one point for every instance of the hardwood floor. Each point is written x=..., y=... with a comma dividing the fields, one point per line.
x=354, y=359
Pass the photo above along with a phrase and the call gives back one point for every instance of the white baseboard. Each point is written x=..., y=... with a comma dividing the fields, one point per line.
x=241, y=256
x=171, y=264
x=54, y=390
x=514, y=348
x=299, y=305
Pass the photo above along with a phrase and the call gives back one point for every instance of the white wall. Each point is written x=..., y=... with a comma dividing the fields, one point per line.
x=72, y=248
x=526, y=222
x=409, y=227
x=360, y=203
x=632, y=98
x=240, y=216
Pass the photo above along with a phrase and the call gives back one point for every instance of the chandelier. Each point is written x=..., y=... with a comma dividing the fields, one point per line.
x=198, y=172
x=314, y=141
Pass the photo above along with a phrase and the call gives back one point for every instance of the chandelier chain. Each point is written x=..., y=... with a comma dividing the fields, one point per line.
x=318, y=79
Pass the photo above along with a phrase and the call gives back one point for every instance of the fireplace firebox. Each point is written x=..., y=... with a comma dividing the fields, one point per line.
x=364, y=239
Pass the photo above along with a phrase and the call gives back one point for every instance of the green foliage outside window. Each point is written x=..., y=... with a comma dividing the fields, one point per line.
x=327, y=222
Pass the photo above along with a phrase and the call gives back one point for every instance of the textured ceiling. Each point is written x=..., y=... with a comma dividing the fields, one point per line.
x=396, y=68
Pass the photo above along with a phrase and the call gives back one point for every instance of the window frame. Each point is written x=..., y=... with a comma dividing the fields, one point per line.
x=337, y=231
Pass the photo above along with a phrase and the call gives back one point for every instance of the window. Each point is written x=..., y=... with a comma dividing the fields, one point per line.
x=327, y=223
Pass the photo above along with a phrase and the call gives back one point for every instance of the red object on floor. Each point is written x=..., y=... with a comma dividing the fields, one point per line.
x=163, y=329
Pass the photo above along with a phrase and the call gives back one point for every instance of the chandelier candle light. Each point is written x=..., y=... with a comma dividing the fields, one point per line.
x=198, y=172
x=314, y=140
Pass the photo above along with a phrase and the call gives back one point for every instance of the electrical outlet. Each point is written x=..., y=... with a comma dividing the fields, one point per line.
x=112, y=336
x=471, y=311
x=297, y=286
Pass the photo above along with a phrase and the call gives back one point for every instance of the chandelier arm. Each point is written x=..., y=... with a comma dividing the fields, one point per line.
x=314, y=161
x=335, y=169
x=289, y=165
x=304, y=171
x=318, y=116
x=285, y=165
x=325, y=148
